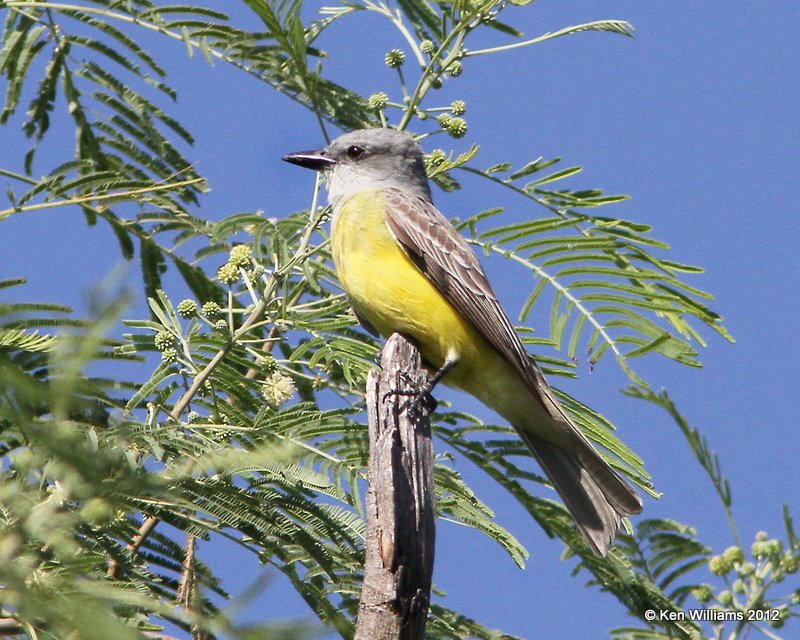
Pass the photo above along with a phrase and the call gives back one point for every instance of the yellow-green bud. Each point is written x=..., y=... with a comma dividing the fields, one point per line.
x=761, y=536
x=444, y=120
x=170, y=356
x=783, y=614
x=378, y=101
x=457, y=127
x=703, y=593
x=277, y=389
x=733, y=555
x=718, y=565
x=163, y=340
x=455, y=69
x=427, y=46
x=211, y=309
x=221, y=325
x=268, y=363
x=228, y=273
x=725, y=598
x=789, y=562
x=241, y=255
x=395, y=58
x=458, y=107
x=187, y=308
x=747, y=569
x=774, y=548
x=193, y=417
x=437, y=157
x=738, y=586
x=759, y=549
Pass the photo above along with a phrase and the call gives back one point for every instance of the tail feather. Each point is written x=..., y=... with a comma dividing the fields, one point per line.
x=596, y=496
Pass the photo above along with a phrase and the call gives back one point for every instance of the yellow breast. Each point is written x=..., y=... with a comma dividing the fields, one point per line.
x=388, y=289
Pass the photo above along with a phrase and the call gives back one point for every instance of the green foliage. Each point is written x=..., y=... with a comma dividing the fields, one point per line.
x=243, y=418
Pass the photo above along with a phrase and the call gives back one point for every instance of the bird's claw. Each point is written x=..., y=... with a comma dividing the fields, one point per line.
x=418, y=399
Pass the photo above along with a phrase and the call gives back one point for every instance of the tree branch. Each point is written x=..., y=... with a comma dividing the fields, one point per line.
x=400, y=500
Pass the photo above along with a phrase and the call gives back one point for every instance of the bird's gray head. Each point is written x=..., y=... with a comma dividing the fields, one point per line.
x=366, y=159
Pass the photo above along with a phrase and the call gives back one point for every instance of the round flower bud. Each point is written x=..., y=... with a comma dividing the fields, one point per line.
x=170, y=356
x=718, y=565
x=774, y=548
x=747, y=569
x=725, y=598
x=783, y=614
x=378, y=101
x=759, y=549
x=458, y=107
x=457, y=127
x=455, y=69
x=789, y=562
x=163, y=340
x=427, y=46
x=240, y=255
x=277, y=389
x=444, y=120
x=703, y=593
x=221, y=325
x=395, y=58
x=761, y=536
x=228, y=273
x=211, y=309
x=733, y=555
x=437, y=157
x=187, y=308
x=738, y=586
x=268, y=363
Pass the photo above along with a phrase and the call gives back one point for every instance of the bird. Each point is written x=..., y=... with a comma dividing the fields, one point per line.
x=405, y=269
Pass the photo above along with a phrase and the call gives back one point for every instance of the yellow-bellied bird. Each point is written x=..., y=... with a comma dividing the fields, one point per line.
x=405, y=269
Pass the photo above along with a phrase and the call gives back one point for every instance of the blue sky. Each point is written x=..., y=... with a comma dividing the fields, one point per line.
x=696, y=119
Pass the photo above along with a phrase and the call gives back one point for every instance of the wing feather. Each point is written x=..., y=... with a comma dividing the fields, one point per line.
x=592, y=490
x=445, y=258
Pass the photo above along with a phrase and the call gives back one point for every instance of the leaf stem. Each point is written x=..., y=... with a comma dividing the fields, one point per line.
x=617, y=26
x=5, y=213
x=559, y=287
x=18, y=176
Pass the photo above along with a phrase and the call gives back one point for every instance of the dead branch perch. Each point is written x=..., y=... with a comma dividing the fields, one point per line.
x=400, y=501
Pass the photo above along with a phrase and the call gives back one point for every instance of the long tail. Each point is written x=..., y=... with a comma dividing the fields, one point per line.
x=596, y=496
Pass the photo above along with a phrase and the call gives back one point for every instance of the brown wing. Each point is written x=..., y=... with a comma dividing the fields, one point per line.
x=593, y=492
x=445, y=258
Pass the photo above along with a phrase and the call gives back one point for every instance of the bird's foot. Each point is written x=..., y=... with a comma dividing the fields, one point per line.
x=418, y=399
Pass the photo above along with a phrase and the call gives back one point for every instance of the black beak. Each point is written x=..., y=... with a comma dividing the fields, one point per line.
x=316, y=160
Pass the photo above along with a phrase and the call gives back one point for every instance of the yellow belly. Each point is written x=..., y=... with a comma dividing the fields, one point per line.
x=391, y=293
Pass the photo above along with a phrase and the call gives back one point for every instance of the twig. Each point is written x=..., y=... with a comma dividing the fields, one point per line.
x=186, y=589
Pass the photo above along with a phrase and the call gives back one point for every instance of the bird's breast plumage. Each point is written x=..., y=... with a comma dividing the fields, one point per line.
x=386, y=288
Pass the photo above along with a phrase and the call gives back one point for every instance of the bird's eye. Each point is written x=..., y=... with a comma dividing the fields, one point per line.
x=354, y=152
